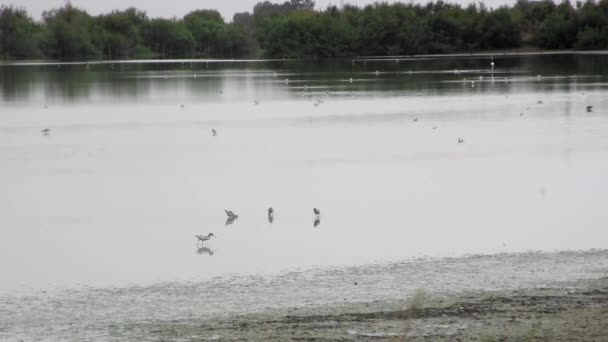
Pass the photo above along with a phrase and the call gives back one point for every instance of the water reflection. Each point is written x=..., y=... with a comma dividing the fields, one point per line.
x=317, y=222
x=204, y=250
x=179, y=81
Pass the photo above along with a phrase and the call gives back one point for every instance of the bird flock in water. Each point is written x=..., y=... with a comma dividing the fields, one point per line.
x=231, y=216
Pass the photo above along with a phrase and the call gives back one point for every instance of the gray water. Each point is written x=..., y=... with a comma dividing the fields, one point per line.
x=115, y=194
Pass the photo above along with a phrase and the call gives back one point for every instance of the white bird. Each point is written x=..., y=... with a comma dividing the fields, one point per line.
x=202, y=238
x=350, y=80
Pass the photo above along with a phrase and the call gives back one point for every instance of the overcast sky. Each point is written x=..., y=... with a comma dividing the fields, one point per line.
x=178, y=8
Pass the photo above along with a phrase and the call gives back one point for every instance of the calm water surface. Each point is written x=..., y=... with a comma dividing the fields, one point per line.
x=127, y=177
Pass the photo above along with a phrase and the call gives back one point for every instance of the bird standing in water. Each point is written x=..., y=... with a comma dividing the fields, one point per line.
x=202, y=238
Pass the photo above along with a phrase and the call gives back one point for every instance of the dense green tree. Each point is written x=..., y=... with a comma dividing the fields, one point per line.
x=19, y=34
x=69, y=33
x=168, y=38
x=293, y=28
x=118, y=32
x=207, y=28
x=558, y=30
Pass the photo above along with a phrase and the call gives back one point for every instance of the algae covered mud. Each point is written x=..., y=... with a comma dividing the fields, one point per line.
x=410, y=161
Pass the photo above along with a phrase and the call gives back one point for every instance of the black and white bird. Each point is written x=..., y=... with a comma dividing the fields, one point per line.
x=589, y=109
x=203, y=238
x=231, y=214
x=270, y=212
x=46, y=131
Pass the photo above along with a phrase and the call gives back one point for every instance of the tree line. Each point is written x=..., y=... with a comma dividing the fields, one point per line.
x=295, y=29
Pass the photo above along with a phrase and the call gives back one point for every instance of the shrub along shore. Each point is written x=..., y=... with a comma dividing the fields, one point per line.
x=296, y=29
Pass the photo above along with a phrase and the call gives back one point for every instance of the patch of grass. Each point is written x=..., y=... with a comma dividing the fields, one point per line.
x=414, y=305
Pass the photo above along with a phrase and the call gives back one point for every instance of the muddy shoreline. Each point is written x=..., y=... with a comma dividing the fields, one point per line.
x=571, y=311
x=554, y=296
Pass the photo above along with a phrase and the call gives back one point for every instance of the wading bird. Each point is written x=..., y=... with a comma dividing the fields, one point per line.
x=203, y=238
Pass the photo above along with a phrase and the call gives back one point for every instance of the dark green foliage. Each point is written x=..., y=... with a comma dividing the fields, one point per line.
x=168, y=38
x=295, y=29
x=19, y=34
x=69, y=34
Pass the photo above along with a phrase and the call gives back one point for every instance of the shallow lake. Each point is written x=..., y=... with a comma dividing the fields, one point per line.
x=131, y=171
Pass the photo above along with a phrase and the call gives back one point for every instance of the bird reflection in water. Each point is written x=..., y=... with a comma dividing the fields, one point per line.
x=317, y=221
x=231, y=216
x=230, y=220
x=204, y=250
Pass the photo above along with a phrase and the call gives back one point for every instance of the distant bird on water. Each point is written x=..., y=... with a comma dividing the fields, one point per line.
x=460, y=140
x=270, y=214
x=231, y=214
x=202, y=238
x=231, y=217
x=214, y=132
x=589, y=109
x=316, y=211
x=46, y=132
